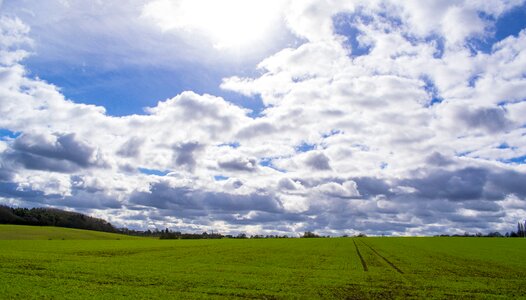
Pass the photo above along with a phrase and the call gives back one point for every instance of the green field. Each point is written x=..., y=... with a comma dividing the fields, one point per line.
x=22, y=232
x=352, y=268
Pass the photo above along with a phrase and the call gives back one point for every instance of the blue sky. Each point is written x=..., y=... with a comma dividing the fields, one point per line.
x=128, y=90
x=267, y=117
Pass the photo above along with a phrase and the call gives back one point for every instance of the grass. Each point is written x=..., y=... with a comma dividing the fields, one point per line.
x=265, y=269
x=23, y=232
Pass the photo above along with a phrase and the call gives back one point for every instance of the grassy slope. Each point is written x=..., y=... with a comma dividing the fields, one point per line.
x=23, y=232
x=448, y=267
x=277, y=268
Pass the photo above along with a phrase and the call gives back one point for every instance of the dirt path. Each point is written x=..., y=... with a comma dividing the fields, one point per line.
x=364, y=264
x=382, y=257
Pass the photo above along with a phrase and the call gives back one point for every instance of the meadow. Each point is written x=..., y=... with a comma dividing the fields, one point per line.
x=67, y=263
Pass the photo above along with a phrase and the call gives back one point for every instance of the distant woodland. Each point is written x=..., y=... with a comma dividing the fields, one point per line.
x=53, y=217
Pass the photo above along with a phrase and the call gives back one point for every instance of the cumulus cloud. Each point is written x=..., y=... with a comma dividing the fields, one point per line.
x=13, y=40
x=317, y=161
x=131, y=148
x=187, y=202
x=239, y=164
x=438, y=159
x=345, y=190
x=492, y=119
x=58, y=153
x=390, y=117
x=185, y=153
x=289, y=184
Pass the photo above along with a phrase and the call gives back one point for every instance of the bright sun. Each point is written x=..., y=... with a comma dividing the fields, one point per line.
x=228, y=24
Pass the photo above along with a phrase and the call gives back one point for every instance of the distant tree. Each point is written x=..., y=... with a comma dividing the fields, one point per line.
x=309, y=234
x=7, y=216
x=494, y=234
x=520, y=230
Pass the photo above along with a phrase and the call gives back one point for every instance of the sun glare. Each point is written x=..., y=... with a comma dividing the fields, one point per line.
x=228, y=24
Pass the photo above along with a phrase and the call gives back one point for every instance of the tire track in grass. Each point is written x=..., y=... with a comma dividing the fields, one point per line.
x=385, y=259
x=364, y=264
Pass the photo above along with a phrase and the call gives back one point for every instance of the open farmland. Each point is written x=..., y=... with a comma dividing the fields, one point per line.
x=24, y=232
x=352, y=268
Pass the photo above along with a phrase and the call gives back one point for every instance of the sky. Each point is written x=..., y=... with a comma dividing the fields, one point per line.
x=384, y=117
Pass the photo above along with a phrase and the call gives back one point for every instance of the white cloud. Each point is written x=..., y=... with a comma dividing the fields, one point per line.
x=228, y=24
x=455, y=20
x=345, y=190
x=13, y=40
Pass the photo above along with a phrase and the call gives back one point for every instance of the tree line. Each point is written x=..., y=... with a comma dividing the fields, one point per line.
x=53, y=217
x=521, y=232
x=168, y=234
